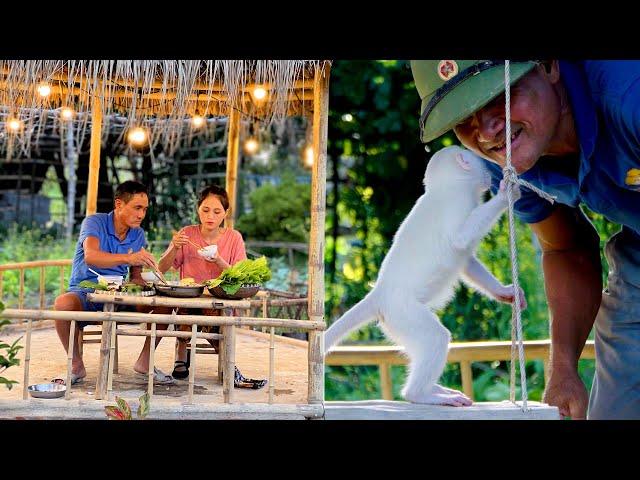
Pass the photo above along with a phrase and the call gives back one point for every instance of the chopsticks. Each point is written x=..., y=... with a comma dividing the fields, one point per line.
x=195, y=245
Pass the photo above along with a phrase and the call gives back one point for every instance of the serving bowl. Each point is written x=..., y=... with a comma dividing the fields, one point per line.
x=247, y=290
x=47, y=390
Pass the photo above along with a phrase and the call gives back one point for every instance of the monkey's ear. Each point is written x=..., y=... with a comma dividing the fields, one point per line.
x=463, y=162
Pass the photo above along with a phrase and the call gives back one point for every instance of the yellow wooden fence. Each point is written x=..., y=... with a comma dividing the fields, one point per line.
x=463, y=353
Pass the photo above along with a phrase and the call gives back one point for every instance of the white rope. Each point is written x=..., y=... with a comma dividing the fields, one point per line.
x=511, y=178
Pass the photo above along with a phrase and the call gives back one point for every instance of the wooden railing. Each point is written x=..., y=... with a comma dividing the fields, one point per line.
x=40, y=264
x=463, y=353
x=261, y=320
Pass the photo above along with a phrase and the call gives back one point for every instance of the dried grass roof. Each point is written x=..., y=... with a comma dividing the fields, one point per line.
x=157, y=94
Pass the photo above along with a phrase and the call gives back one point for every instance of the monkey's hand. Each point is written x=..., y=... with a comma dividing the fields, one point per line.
x=506, y=295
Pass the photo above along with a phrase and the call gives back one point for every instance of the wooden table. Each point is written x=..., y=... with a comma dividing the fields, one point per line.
x=204, y=301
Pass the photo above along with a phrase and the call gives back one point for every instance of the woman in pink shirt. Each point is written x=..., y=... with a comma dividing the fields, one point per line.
x=213, y=205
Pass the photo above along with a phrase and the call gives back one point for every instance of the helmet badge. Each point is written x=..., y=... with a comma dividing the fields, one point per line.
x=447, y=69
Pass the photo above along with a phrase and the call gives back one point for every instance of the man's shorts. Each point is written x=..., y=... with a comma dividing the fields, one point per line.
x=615, y=393
x=88, y=306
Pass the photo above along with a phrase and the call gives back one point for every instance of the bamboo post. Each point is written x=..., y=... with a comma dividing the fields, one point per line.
x=21, y=294
x=316, y=237
x=386, y=383
x=272, y=360
x=221, y=347
x=467, y=378
x=103, y=362
x=152, y=352
x=27, y=359
x=61, y=280
x=115, y=354
x=42, y=288
x=232, y=163
x=228, y=369
x=272, y=347
x=192, y=360
x=72, y=338
x=264, y=309
x=94, y=156
x=113, y=327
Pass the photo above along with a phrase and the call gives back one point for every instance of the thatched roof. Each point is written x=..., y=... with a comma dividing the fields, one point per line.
x=157, y=95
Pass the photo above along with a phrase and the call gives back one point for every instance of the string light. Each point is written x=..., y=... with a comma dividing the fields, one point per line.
x=251, y=146
x=259, y=93
x=66, y=113
x=14, y=125
x=197, y=121
x=44, y=90
x=308, y=156
x=137, y=136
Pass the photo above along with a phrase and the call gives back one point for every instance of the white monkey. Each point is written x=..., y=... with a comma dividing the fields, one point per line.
x=431, y=250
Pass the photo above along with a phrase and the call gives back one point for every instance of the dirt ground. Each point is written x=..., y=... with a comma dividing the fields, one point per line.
x=48, y=360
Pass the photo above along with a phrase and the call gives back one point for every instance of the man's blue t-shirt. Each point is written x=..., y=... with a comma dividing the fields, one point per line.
x=605, y=100
x=100, y=225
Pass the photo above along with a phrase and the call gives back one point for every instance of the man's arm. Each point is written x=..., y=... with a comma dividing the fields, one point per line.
x=573, y=285
x=99, y=258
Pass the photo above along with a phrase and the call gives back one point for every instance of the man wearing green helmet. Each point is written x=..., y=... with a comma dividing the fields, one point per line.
x=575, y=134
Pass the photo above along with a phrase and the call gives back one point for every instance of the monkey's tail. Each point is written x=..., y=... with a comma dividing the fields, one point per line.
x=362, y=312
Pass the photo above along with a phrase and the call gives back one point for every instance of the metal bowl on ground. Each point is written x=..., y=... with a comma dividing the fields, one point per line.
x=245, y=291
x=180, y=291
x=47, y=390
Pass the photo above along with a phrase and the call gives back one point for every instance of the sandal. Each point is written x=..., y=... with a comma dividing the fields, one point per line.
x=159, y=377
x=62, y=379
x=240, y=381
x=183, y=367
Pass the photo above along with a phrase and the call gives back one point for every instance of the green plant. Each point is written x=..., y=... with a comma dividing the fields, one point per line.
x=279, y=213
x=122, y=410
x=11, y=351
x=244, y=272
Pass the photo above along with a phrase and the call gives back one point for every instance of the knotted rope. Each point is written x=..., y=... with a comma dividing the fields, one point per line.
x=510, y=177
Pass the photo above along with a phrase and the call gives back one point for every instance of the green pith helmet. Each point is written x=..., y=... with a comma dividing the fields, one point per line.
x=451, y=90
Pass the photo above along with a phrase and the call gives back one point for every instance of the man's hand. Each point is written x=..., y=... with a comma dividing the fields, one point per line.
x=137, y=281
x=143, y=259
x=566, y=391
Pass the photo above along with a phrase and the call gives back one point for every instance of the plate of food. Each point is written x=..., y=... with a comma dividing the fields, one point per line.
x=127, y=288
x=185, y=288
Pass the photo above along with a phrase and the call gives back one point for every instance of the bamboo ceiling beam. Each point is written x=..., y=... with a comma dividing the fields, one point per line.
x=94, y=157
x=158, y=85
x=233, y=151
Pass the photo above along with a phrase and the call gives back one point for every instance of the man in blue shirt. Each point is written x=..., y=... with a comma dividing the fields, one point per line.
x=575, y=134
x=108, y=244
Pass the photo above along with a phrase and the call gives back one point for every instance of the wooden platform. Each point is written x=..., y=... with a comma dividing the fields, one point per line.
x=48, y=359
x=161, y=409
x=390, y=410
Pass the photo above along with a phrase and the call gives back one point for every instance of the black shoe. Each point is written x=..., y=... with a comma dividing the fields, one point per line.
x=180, y=369
x=240, y=381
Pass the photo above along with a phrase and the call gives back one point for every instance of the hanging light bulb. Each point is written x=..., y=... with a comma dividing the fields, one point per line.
x=308, y=156
x=259, y=93
x=137, y=136
x=44, y=90
x=14, y=125
x=197, y=121
x=66, y=113
x=251, y=146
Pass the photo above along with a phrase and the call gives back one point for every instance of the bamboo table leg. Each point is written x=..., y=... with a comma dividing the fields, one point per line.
x=103, y=363
x=228, y=367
